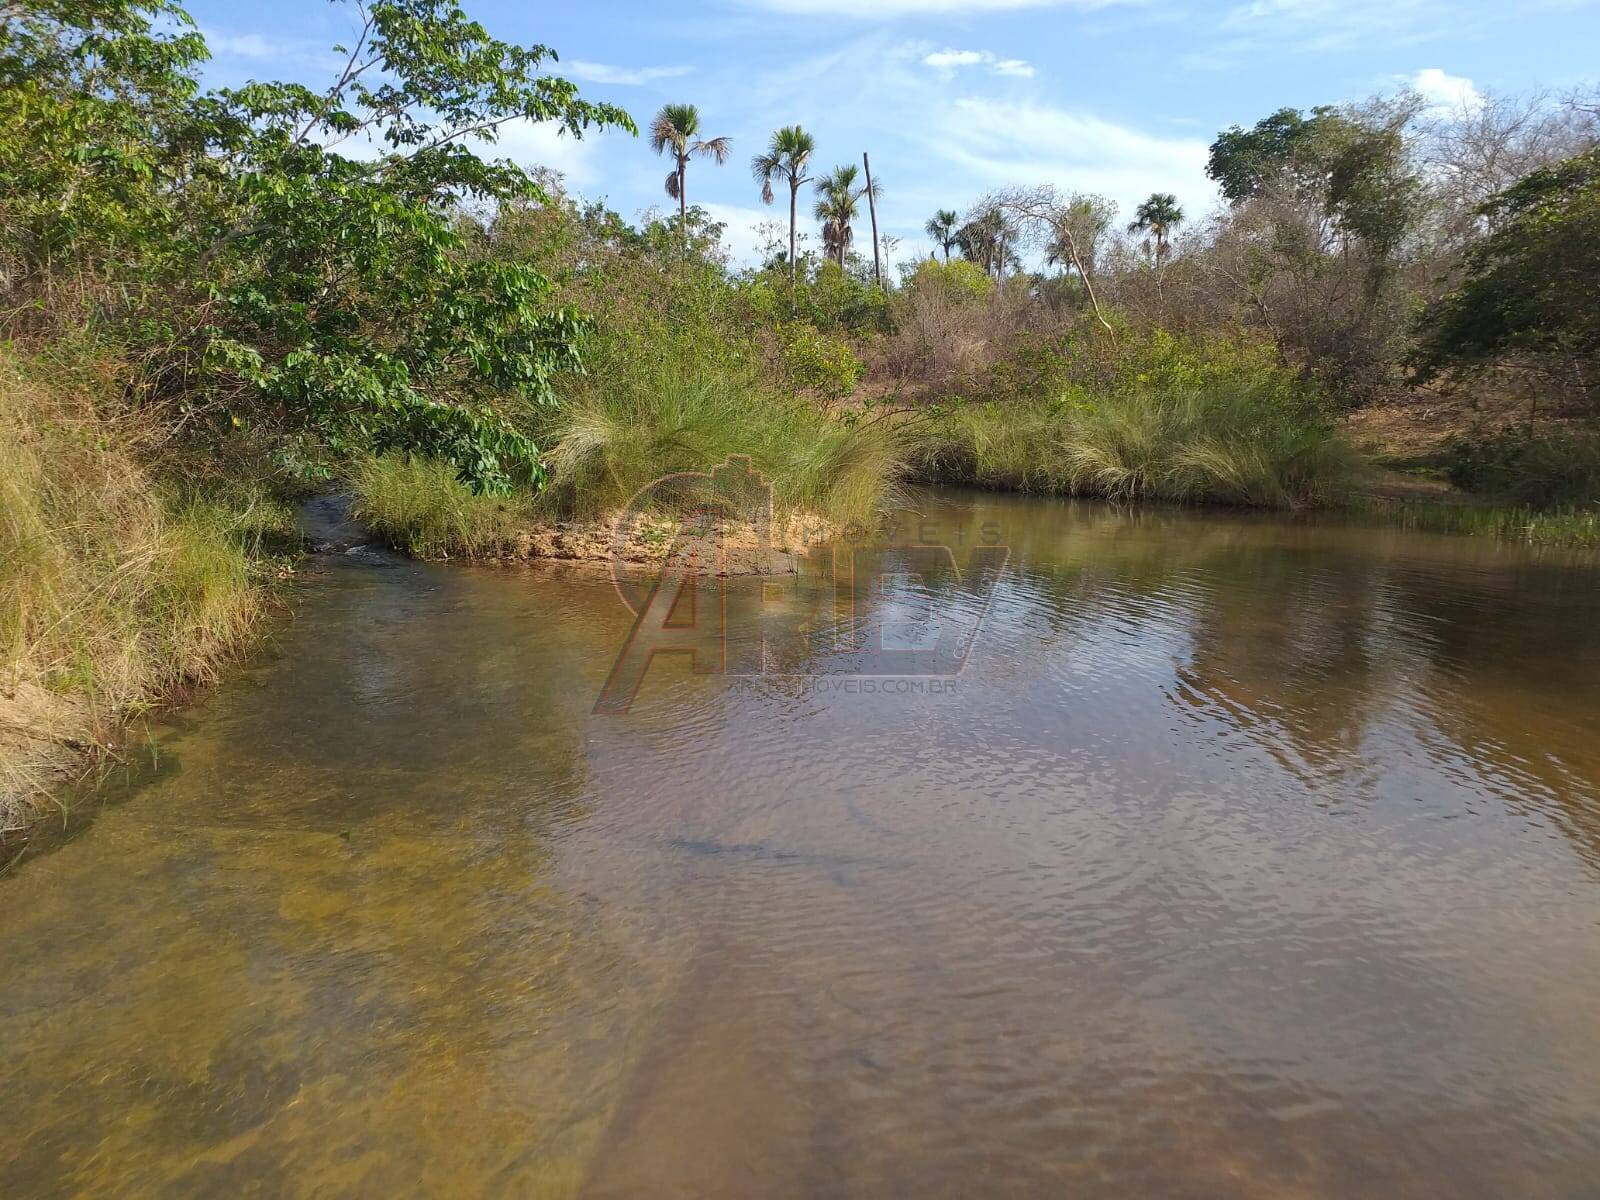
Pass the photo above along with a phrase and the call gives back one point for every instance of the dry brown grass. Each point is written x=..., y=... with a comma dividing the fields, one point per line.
x=112, y=590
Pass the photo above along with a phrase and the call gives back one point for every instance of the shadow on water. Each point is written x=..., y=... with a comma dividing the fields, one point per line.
x=147, y=756
x=140, y=764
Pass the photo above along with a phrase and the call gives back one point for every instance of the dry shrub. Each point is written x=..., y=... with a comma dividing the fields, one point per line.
x=944, y=334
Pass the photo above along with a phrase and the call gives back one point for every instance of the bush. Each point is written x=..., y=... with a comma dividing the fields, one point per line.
x=820, y=363
x=1530, y=286
x=687, y=367
x=1156, y=419
x=1541, y=470
x=948, y=328
x=957, y=281
x=832, y=299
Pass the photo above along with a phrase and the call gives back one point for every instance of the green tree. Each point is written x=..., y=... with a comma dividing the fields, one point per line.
x=676, y=128
x=260, y=276
x=1324, y=206
x=1158, y=216
x=95, y=100
x=942, y=228
x=1532, y=287
x=1286, y=146
x=1356, y=170
x=838, y=202
x=786, y=158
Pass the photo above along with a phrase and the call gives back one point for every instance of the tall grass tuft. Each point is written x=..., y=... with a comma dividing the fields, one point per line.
x=1541, y=470
x=113, y=590
x=419, y=505
x=617, y=436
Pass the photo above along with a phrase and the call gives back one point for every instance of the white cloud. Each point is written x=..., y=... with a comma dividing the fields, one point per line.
x=545, y=145
x=1446, y=93
x=741, y=237
x=1255, y=29
x=1001, y=143
x=956, y=58
x=1319, y=26
x=1014, y=66
x=593, y=72
x=264, y=47
x=949, y=61
x=940, y=138
x=246, y=45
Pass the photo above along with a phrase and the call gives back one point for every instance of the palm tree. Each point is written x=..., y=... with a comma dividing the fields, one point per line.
x=838, y=198
x=987, y=239
x=941, y=227
x=786, y=158
x=1158, y=216
x=677, y=127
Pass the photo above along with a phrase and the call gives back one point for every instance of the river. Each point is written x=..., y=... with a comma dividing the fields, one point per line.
x=1245, y=856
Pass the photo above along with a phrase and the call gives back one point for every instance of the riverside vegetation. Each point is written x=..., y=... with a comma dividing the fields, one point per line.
x=213, y=301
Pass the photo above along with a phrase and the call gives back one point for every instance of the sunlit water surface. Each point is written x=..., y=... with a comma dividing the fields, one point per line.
x=1246, y=857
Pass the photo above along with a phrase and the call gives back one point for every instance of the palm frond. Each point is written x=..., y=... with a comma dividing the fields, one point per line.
x=672, y=184
x=794, y=145
x=673, y=126
x=716, y=148
x=662, y=133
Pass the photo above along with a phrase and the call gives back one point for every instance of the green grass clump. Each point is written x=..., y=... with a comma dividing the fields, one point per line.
x=1147, y=417
x=420, y=506
x=621, y=432
x=1192, y=445
x=616, y=436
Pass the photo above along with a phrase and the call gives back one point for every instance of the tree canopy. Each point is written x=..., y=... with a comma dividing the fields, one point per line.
x=259, y=274
x=1532, y=286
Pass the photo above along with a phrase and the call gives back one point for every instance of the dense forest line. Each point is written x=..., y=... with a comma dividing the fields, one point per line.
x=215, y=300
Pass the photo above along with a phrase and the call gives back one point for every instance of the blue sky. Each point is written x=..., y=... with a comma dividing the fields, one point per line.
x=954, y=97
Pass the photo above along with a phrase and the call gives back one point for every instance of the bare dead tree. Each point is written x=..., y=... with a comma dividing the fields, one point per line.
x=1480, y=147
x=872, y=207
x=1043, y=215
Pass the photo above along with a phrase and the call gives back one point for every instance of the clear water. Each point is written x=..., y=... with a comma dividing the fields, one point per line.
x=1246, y=857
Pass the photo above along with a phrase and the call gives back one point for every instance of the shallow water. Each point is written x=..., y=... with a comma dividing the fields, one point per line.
x=1245, y=857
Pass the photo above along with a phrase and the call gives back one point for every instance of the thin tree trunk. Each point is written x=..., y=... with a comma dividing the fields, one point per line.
x=1088, y=284
x=683, y=210
x=872, y=207
x=794, y=197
